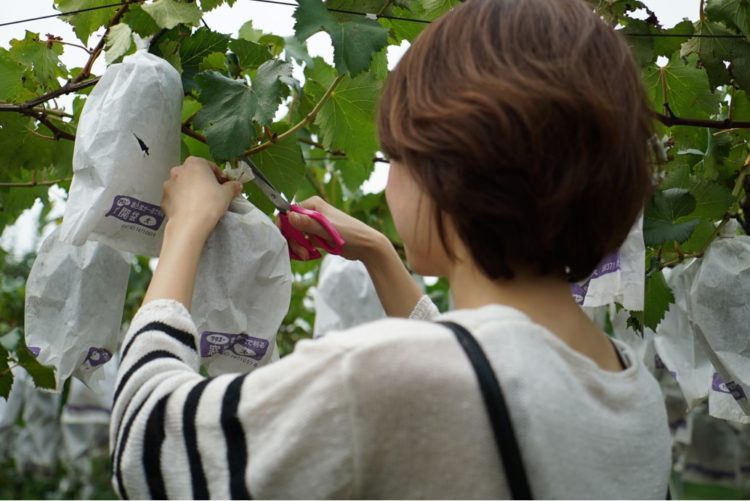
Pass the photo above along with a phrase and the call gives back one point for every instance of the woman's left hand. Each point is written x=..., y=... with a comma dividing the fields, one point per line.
x=197, y=195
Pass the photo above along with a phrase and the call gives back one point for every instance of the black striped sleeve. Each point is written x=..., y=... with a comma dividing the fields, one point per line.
x=197, y=474
x=152, y=444
x=179, y=335
x=234, y=437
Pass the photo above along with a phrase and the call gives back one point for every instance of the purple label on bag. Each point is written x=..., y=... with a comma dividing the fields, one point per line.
x=35, y=350
x=659, y=365
x=132, y=210
x=732, y=388
x=579, y=291
x=609, y=264
x=234, y=345
x=97, y=356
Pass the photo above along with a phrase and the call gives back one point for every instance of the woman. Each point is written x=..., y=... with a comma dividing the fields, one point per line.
x=517, y=132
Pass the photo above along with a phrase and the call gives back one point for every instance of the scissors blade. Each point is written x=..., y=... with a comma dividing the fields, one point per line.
x=266, y=187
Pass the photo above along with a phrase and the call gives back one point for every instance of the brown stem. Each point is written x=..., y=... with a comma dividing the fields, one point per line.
x=671, y=120
x=94, y=54
x=384, y=7
x=68, y=88
x=34, y=182
x=194, y=134
x=79, y=46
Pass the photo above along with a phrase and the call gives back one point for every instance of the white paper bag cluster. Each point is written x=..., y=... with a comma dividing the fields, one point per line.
x=619, y=278
x=128, y=138
x=345, y=296
x=242, y=291
x=703, y=340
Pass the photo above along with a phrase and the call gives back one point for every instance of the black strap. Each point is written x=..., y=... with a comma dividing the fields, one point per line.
x=510, y=454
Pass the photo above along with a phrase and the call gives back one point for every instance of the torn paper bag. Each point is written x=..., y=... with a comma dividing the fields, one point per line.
x=127, y=140
x=242, y=291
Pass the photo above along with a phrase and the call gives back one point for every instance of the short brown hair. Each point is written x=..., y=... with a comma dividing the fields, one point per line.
x=526, y=123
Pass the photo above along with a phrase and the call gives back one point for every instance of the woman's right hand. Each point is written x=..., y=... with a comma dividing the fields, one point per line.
x=361, y=241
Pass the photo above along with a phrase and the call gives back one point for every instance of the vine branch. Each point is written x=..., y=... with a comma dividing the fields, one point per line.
x=302, y=123
x=96, y=52
x=670, y=119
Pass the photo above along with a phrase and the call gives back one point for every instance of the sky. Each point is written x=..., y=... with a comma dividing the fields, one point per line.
x=277, y=19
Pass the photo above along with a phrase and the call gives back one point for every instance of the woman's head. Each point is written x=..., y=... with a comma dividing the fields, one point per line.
x=525, y=125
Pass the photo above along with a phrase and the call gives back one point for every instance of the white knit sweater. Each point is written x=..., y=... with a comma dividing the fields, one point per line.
x=390, y=409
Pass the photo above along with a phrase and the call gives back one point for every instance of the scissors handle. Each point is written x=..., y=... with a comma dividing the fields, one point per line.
x=310, y=243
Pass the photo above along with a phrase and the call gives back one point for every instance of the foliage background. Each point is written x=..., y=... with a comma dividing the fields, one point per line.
x=316, y=136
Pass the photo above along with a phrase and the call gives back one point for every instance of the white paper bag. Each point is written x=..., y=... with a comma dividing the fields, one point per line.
x=74, y=302
x=620, y=277
x=242, y=291
x=720, y=312
x=127, y=140
x=676, y=342
x=345, y=296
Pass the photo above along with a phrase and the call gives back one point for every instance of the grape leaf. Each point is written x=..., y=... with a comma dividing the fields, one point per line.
x=660, y=222
x=207, y=5
x=711, y=199
x=284, y=167
x=6, y=376
x=658, y=297
x=11, y=78
x=250, y=54
x=119, y=40
x=85, y=23
x=688, y=91
x=140, y=22
x=733, y=13
x=229, y=106
x=436, y=8
x=43, y=376
x=355, y=38
x=170, y=13
x=43, y=58
x=194, y=49
x=347, y=119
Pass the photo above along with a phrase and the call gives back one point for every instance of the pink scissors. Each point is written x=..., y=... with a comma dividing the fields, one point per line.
x=291, y=233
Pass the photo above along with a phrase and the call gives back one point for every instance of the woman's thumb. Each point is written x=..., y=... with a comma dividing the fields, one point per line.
x=232, y=188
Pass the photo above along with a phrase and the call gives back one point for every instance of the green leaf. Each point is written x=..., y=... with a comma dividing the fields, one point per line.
x=660, y=219
x=170, y=13
x=11, y=78
x=85, y=23
x=194, y=49
x=250, y=54
x=43, y=376
x=11, y=340
x=355, y=38
x=284, y=167
x=140, y=22
x=43, y=58
x=6, y=376
x=119, y=40
x=688, y=91
x=733, y=13
x=406, y=30
x=711, y=199
x=347, y=119
x=230, y=106
x=207, y=5
x=658, y=297
x=436, y=8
